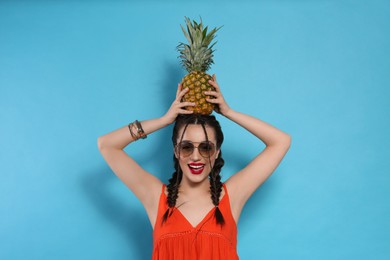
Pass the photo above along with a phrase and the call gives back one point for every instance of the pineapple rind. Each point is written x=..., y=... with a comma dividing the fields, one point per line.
x=197, y=83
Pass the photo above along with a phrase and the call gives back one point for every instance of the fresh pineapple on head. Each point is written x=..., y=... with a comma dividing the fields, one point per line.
x=197, y=57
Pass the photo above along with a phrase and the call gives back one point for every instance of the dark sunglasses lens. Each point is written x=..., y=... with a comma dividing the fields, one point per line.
x=206, y=149
x=186, y=149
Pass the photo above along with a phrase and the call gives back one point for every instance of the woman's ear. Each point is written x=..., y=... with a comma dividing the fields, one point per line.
x=217, y=153
x=174, y=152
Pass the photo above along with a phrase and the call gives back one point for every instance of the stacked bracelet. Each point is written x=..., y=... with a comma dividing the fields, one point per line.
x=136, y=130
x=140, y=131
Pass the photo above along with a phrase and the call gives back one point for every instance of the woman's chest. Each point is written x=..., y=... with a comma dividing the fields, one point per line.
x=194, y=211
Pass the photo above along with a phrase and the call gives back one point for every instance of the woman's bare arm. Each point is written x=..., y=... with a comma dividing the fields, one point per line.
x=144, y=185
x=242, y=184
x=246, y=181
x=139, y=181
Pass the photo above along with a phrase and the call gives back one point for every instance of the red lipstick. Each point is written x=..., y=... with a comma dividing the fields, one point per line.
x=196, y=168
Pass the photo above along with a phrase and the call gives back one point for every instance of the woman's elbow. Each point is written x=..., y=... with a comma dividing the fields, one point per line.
x=287, y=141
x=100, y=143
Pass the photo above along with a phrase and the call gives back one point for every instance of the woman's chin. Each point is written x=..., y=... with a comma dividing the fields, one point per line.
x=196, y=178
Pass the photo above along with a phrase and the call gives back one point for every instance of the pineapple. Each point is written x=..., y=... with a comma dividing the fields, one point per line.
x=197, y=57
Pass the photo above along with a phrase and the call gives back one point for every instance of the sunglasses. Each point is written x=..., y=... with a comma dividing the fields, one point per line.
x=186, y=148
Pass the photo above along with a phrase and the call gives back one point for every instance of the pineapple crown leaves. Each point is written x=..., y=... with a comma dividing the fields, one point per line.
x=197, y=55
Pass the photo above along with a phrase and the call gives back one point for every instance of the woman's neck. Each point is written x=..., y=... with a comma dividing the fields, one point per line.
x=191, y=190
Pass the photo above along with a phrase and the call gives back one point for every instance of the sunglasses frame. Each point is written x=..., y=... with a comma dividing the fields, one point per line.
x=177, y=148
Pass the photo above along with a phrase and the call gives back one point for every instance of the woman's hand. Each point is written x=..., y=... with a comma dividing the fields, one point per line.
x=221, y=105
x=177, y=106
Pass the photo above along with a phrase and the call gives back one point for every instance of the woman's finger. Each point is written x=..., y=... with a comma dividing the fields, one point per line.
x=181, y=94
x=212, y=100
x=186, y=104
x=214, y=84
x=184, y=111
x=212, y=93
x=178, y=89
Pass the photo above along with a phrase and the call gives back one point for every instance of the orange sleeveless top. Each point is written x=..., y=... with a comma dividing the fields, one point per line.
x=177, y=239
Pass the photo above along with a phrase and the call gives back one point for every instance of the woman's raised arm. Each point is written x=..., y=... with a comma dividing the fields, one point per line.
x=242, y=184
x=144, y=185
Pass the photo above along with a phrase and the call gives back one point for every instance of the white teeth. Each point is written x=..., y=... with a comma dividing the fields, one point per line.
x=196, y=166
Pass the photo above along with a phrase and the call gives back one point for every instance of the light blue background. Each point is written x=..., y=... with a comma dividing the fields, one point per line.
x=71, y=71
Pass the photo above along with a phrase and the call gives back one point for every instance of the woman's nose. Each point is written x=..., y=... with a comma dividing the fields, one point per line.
x=195, y=154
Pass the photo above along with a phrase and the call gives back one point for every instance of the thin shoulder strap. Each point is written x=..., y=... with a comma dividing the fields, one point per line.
x=163, y=200
x=224, y=187
x=163, y=189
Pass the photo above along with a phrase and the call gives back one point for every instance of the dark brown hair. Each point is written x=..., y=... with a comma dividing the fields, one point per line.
x=182, y=121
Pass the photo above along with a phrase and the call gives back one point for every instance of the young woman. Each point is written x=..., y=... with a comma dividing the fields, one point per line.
x=195, y=215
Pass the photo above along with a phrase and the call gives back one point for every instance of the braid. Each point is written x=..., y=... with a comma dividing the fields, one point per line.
x=173, y=186
x=173, y=191
x=215, y=183
x=216, y=187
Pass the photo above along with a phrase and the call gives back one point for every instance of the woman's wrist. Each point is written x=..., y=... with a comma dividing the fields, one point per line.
x=228, y=113
x=165, y=121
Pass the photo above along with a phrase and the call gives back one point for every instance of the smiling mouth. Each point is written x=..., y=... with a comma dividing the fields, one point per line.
x=196, y=169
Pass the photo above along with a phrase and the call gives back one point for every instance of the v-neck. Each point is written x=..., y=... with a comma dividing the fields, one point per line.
x=206, y=217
